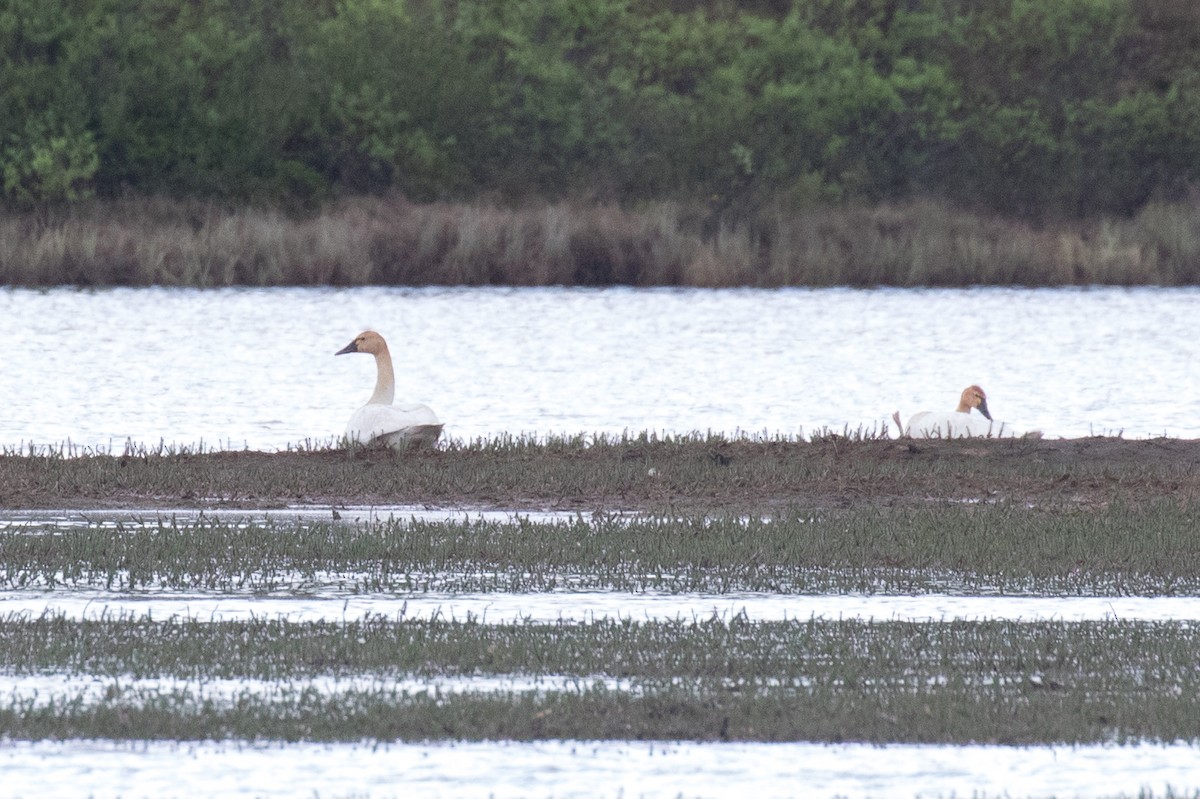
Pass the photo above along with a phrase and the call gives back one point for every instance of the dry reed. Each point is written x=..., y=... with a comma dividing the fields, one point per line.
x=392, y=241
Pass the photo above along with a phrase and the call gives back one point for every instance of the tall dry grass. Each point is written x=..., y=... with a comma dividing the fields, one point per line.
x=394, y=241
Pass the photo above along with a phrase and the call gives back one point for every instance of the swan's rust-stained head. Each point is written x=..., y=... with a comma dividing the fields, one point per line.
x=368, y=341
x=973, y=397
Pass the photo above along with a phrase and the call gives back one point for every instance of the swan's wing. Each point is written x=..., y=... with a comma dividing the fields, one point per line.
x=951, y=424
x=374, y=421
x=421, y=435
x=1006, y=430
x=916, y=424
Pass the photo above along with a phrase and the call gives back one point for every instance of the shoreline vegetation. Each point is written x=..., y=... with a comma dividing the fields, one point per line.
x=835, y=513
x=123, y=677
x=700, y=679
x=600, y=142
x=392, y=241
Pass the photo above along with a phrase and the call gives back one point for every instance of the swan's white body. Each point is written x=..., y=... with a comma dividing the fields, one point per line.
x=961, y=423
x=393, y=425
x=952, y=424
x=379, y=422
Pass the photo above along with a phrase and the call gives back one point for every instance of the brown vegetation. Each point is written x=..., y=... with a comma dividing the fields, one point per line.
x=395, y=242
x=699, y=475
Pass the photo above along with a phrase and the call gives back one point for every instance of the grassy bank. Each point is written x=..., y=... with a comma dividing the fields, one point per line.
x=395, y=242
x=1150, y=549
x=687, y=475
x=955, y=682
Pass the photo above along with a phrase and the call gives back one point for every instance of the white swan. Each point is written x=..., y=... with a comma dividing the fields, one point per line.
x=960, y=423
x=379, y=422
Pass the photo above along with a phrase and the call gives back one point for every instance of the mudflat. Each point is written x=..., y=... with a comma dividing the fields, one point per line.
x=689, y=474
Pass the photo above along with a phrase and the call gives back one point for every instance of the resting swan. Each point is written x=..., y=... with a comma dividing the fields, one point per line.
x=379, y=422
x=960, y=423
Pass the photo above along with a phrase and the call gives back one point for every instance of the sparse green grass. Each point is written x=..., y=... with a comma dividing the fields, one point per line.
x=955, y=682
x=1150, y=548
x=720, y=651
x=848, y=511
x=395, y=242
x=1024, y=716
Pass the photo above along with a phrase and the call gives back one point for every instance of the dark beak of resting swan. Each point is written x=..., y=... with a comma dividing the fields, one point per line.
x=982, y=407
x=351, y=347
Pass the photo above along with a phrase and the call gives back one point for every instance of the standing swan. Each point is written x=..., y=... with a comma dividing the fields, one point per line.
x=379, y=422
x=959, y=424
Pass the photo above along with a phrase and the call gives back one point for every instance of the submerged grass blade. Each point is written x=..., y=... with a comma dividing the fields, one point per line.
x=1148, y=548
x=959, y=682
x=1108, y=654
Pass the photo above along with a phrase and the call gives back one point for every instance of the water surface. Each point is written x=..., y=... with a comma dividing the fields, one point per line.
x=255, y=368
x=583, y=606
x=590, y=769
x=349, y=516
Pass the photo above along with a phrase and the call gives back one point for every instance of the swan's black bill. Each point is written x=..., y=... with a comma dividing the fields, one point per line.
x=353, y=347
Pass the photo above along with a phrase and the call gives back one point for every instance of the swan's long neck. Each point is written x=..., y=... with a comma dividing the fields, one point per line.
x=385, y=379
x=963, y=407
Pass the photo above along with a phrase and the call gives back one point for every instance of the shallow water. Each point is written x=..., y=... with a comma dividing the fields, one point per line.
x=255, y=368
x=500, y=608
x=590, y=769
x=349, y=515
x=44, y=689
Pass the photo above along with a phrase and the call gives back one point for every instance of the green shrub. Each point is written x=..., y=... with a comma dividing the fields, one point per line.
x=49, y=164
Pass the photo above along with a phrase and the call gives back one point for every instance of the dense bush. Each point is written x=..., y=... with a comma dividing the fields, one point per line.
x=1038, y=109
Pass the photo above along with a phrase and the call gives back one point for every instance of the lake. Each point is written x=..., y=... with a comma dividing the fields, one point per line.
x=610, y=769
x=245, y=368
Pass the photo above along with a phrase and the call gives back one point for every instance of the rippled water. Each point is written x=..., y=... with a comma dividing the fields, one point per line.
x=255, y=368
x=590, y=769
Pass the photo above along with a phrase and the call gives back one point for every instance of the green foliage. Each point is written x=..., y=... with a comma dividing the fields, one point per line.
x=556, y=116
x=1037, y=109
x=49, y=163
x=47, y=152
x=395, y=99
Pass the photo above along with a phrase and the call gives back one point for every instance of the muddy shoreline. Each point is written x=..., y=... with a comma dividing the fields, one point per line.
x=678, y=476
